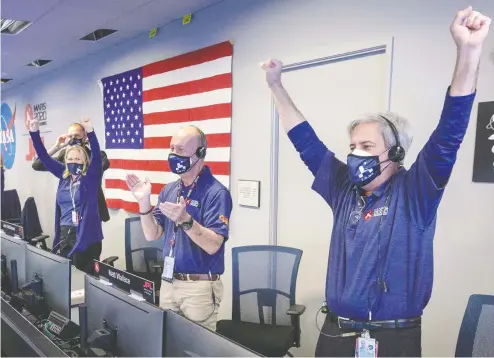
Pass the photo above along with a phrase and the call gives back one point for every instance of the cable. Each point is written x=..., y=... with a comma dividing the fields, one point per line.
x=350, y=334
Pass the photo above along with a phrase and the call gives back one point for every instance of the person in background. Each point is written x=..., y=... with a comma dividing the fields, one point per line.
x=78, y=230
x=380, y=269
x=193, y=215
x=76, y=135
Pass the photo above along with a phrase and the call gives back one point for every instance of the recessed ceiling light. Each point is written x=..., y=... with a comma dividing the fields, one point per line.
x=13, y=27
x=6, y=80
x=98, y=34
x=39, y=63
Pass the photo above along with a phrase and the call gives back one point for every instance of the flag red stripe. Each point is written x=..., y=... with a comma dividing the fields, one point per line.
x=217, y=168
x=223, y=110
x=121, y=184
x=189, y=59
x=122, y=204
x=215, y=140
x=188, y=88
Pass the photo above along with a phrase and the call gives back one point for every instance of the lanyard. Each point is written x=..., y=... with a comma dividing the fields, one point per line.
x=72, y=195
x=381, y=261
x=179, y=193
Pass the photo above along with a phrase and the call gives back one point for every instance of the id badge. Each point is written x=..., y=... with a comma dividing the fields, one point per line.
x=366, y=347
x=75, y=218
x=168, y=267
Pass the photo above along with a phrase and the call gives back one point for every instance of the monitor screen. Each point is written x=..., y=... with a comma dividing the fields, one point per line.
x=139, y=324
x=184, y=338
x=56, y=274
x=15, y=249
x=11, y=229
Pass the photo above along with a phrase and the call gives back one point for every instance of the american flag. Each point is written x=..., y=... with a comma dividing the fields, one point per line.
x=146, y=106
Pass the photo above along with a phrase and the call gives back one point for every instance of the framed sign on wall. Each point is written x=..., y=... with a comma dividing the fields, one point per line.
x=483, y=162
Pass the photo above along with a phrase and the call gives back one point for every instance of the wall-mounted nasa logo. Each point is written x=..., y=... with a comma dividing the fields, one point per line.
x=8, y=138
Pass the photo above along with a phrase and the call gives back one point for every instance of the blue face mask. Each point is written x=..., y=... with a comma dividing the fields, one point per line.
x=363, y=168
x=76, y=141
x=179, y=164
x=75, y=168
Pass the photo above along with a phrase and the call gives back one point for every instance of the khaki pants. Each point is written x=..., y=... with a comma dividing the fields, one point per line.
x=193, y=299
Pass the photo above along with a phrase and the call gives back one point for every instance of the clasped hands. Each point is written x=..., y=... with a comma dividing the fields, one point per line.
x=176, y=212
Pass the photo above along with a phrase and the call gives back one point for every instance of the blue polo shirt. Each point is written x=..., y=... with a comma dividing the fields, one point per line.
x=64, y=201
x=210, y=204
x=388, y=235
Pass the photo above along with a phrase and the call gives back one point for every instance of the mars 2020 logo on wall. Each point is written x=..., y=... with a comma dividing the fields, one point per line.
x=39, y=114
x=8, y=139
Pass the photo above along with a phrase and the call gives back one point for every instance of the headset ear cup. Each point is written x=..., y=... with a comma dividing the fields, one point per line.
x=201, y=152
x=396, y=154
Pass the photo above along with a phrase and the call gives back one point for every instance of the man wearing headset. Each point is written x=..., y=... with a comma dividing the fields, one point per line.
x=380, y=268
x=193, y=215
x=76, y=135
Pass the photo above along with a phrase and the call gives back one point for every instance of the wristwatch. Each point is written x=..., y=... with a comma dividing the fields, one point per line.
x=186, y=225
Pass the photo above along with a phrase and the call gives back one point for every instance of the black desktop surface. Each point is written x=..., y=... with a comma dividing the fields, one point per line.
x=21, y=339
x=184, y=338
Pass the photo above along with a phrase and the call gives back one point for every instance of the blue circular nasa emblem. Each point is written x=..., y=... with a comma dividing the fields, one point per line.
x=7, y=139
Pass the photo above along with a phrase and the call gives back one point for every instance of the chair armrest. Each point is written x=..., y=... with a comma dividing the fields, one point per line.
x=110, y=260
x=39, y=238
x=296, y=310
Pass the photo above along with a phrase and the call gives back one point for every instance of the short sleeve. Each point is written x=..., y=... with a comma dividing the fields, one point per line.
x=331, y=179
x=217, y=213
x=158, y=215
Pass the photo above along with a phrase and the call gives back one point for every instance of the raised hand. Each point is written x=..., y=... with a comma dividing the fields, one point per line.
x=469, y=28
x=63, y=141
x=86, y=123
x=140, y=189
x=175, y=212
x=33, y=124
x=273, y=69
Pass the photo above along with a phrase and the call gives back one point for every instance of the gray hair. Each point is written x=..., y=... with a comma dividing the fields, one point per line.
x=402, y=126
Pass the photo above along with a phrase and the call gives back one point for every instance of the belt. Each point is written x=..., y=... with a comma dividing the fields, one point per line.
x=345, y=323
x=196, y=277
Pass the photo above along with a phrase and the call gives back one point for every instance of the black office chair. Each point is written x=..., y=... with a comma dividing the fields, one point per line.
x=477, y=328
x=265, y=317
x=142, y=258
x=11, y=207
x=31, y=226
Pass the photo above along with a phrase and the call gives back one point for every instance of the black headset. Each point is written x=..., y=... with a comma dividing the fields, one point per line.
x=201, y=150
x=396, y=153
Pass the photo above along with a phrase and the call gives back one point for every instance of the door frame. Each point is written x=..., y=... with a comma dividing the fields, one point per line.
x=384, y=47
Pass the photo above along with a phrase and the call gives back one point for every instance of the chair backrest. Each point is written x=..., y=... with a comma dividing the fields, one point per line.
x=11, y=205
x=140, y=254
x=30, y=220
x=476, y=332
x=264, y=283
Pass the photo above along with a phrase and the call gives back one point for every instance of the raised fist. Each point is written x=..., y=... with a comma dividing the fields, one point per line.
x=273, y=69
x=86, y=123
x=469, y=28
x=33, y=124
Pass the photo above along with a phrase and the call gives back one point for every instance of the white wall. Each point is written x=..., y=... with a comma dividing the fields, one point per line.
x=293, y=31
